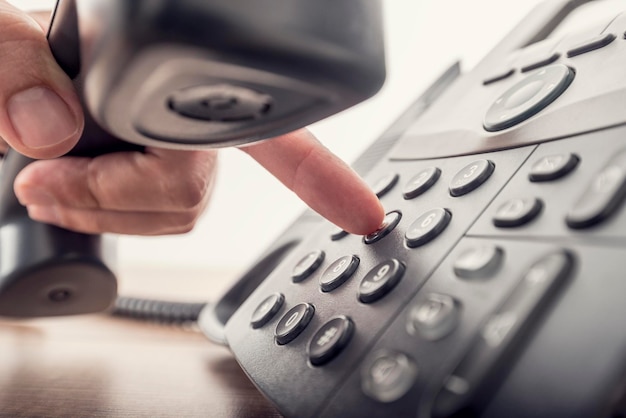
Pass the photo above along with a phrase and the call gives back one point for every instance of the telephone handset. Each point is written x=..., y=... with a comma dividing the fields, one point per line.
x=495, y=286
x=181, y=74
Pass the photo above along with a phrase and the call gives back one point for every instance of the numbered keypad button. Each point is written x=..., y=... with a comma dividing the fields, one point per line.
x=337, y=234
x=471, y=177
x=338, y=272
x=434, y=318
x=383, y=185
x=330, y=340
x=427, y=227
x=421, y=182
x=517, y=212
x=266, y=310
x=552, y=167
x=481, y=261
x=307, y=265
x=389, y=223
x=387, y=375
x=380, y=280
x=603, y=196
x=293, y=323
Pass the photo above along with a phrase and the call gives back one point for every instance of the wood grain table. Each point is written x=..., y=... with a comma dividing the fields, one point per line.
x=104, y=366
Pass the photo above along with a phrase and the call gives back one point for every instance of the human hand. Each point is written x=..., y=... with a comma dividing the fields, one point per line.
x=156, y=192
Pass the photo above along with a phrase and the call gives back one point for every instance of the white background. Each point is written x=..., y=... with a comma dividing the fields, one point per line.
x=250, y=208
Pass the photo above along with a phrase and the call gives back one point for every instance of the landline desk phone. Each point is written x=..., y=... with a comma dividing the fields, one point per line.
x=495, y=286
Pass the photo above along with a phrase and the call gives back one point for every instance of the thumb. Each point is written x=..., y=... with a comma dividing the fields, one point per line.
x=40, y=113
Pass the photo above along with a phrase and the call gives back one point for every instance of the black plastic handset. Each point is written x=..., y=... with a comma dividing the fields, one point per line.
x=182, y=74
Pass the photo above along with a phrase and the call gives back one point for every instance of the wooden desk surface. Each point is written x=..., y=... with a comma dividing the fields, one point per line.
x=101, y=366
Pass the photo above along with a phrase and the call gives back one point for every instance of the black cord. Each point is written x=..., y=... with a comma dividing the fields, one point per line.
x=177, y=313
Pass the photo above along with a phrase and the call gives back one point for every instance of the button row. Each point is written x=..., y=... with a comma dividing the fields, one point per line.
x=326, y=343
x=592, y=44
x=466, y=180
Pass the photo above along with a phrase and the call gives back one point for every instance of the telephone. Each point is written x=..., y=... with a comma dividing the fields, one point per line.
x=495, y=286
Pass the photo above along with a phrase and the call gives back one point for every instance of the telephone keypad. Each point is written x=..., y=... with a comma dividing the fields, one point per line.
x=266, y=310
x=380, y=280
x=471, y=177
x=307, y=265
x=427, y=227
x=330, y=340
x=293, y=323
x=421, y=182
x=383, y=185
x=338, y=272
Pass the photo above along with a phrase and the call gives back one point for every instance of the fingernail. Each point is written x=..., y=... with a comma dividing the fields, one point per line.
x=45, y=214
x=41, y=118
x=33, y=196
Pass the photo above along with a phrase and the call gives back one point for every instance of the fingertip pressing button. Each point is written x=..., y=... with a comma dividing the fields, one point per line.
x=389, y=223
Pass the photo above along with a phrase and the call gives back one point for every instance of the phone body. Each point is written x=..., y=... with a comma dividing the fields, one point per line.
x=495, y=286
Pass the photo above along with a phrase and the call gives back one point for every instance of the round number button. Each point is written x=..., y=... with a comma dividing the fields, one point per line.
x=307, y=265
x=471, y=177
x=434, y=318
x=384, y=184
x=266, y=310
x=421, y=182
x=293, y=323
x=426, y=228
x=338, y=272
x=330, y=339
x=380, y=280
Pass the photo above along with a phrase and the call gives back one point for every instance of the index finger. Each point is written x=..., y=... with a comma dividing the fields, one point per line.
x=322, y=180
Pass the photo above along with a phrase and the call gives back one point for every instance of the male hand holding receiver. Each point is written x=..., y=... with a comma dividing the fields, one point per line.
x=155, y=192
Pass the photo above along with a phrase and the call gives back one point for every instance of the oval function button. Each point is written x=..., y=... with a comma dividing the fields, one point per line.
x=307, y=265
x=338, y=272
x=480, y=261
x=471, y=177
x=384, y=184
x=266, y=310
x=552, y=167
x=597, y=42
x=388, y=375
x=421, y=182
x=603, y=196
x=330, y=340
x=293, y=323
x=380, y=280
x=517, y=212
x=528, y=97
x=433, y=318
x=427, y=227
x=389, y=223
